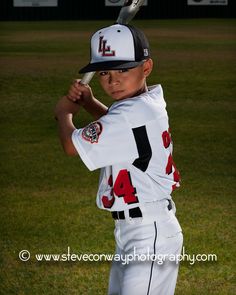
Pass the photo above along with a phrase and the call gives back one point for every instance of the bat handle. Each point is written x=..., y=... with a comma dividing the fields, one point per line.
x=87, y=78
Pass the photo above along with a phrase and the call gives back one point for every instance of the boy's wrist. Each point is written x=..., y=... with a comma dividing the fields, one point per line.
x=66, y=109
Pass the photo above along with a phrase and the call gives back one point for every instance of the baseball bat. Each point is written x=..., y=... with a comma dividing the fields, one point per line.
x=127, y=13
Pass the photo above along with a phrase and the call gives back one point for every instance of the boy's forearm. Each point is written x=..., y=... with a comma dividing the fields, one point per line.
x=66, y=128
x=96, y=108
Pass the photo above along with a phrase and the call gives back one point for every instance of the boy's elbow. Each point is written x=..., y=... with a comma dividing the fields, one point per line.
x=71, y=153
x=70, y=150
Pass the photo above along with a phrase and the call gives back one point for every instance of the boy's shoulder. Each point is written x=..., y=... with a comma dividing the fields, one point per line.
x=145, y=107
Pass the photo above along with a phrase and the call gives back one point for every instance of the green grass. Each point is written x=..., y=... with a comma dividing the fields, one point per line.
x=48, y=200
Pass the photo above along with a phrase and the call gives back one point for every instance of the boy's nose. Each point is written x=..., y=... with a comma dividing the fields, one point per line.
x=113, y=77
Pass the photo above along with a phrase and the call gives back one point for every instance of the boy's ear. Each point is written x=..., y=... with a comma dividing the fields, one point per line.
x=147, y=67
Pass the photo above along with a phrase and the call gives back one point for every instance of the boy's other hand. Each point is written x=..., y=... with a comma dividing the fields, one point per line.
x=80, y=94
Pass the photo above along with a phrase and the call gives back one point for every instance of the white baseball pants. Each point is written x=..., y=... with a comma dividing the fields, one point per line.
x=146, y=249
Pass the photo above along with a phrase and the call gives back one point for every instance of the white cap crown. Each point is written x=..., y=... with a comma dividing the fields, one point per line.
x=112, y=43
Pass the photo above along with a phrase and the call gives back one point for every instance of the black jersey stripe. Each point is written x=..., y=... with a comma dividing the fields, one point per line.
x=144, y=148
x=154, y=251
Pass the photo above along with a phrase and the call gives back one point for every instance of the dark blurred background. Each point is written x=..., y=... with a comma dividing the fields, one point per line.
x=97, y=10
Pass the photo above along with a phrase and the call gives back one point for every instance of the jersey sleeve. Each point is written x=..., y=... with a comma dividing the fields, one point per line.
x=106, y=142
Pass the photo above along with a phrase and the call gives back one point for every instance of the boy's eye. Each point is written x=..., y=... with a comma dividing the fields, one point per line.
x=123, y=70
x=103, y=73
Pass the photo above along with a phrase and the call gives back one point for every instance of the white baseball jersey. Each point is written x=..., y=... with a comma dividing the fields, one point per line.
x=132, y=145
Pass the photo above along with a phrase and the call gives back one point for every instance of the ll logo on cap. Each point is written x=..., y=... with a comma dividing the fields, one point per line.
x=105, y=49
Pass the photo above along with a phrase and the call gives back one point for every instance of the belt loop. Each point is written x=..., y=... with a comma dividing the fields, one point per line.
x=126, y=213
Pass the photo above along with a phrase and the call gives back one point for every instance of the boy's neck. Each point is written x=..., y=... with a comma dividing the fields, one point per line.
x=141, y=90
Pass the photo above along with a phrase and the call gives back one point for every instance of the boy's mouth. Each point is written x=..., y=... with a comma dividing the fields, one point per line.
x=117, y=92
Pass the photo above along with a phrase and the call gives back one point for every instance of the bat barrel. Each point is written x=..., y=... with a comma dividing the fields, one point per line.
x=128, y=11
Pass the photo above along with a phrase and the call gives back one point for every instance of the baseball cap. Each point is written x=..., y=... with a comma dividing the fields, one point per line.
x=117, y=47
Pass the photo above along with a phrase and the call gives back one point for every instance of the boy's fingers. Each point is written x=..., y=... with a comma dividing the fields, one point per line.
x=78, y=85
x=75, y=93
x=74, y=97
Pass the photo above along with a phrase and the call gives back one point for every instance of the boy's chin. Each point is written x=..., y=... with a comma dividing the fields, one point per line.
x=119, y=95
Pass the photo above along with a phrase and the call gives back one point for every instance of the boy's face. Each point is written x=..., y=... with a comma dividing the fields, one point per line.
x=121, y=84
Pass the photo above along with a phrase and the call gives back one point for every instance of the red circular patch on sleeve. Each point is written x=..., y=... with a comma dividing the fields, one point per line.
x=92, y=132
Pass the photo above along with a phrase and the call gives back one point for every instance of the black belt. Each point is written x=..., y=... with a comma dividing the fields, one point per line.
x=133, y=213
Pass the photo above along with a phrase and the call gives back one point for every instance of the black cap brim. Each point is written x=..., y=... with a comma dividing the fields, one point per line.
x=111, y=65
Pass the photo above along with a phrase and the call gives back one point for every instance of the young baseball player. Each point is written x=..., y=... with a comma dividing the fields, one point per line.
x=130, y=142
